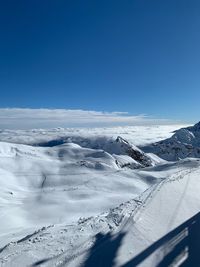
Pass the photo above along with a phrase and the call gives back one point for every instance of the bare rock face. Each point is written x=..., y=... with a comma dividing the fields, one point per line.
x=134, y=152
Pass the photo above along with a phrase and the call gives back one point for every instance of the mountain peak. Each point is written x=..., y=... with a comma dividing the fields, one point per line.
x=197, y=126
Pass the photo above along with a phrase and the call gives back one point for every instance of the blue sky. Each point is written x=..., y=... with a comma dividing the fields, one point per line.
x=140, y=57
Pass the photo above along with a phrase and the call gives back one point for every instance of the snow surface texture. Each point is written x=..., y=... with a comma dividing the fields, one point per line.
x=80, y=198
x=184, y=143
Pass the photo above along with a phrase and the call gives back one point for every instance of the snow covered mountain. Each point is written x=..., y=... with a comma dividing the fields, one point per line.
x=62, y=178
x=126, y=154
x=184, y=143
x=83, y=200
x=113, y=237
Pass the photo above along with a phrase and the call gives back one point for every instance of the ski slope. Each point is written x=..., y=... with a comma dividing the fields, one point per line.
x=135, y=223
x=88, y=201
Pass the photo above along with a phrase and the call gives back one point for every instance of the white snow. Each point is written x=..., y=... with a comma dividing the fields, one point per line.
x=82, y=198
x=184, y=143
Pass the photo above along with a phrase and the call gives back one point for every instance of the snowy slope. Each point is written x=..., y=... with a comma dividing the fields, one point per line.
x=115, y=147
x=48, y=185
x=184, y=143
x=113, y=238
x=89, y=199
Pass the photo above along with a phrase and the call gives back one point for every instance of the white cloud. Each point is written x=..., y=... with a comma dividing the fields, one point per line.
x=20, y=118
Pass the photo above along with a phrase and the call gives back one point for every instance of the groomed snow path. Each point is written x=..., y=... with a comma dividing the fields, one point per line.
x=115, y=237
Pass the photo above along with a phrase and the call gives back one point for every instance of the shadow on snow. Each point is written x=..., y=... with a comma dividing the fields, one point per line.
x=180, y=247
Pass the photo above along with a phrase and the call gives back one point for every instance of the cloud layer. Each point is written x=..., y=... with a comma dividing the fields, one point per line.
x=19, y=118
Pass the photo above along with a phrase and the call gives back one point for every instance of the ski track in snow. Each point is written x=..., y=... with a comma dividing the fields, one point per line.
x=68, y=243
x=137, y=207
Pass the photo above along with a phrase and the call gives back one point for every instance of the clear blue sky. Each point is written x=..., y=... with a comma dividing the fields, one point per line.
x=108, y=55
